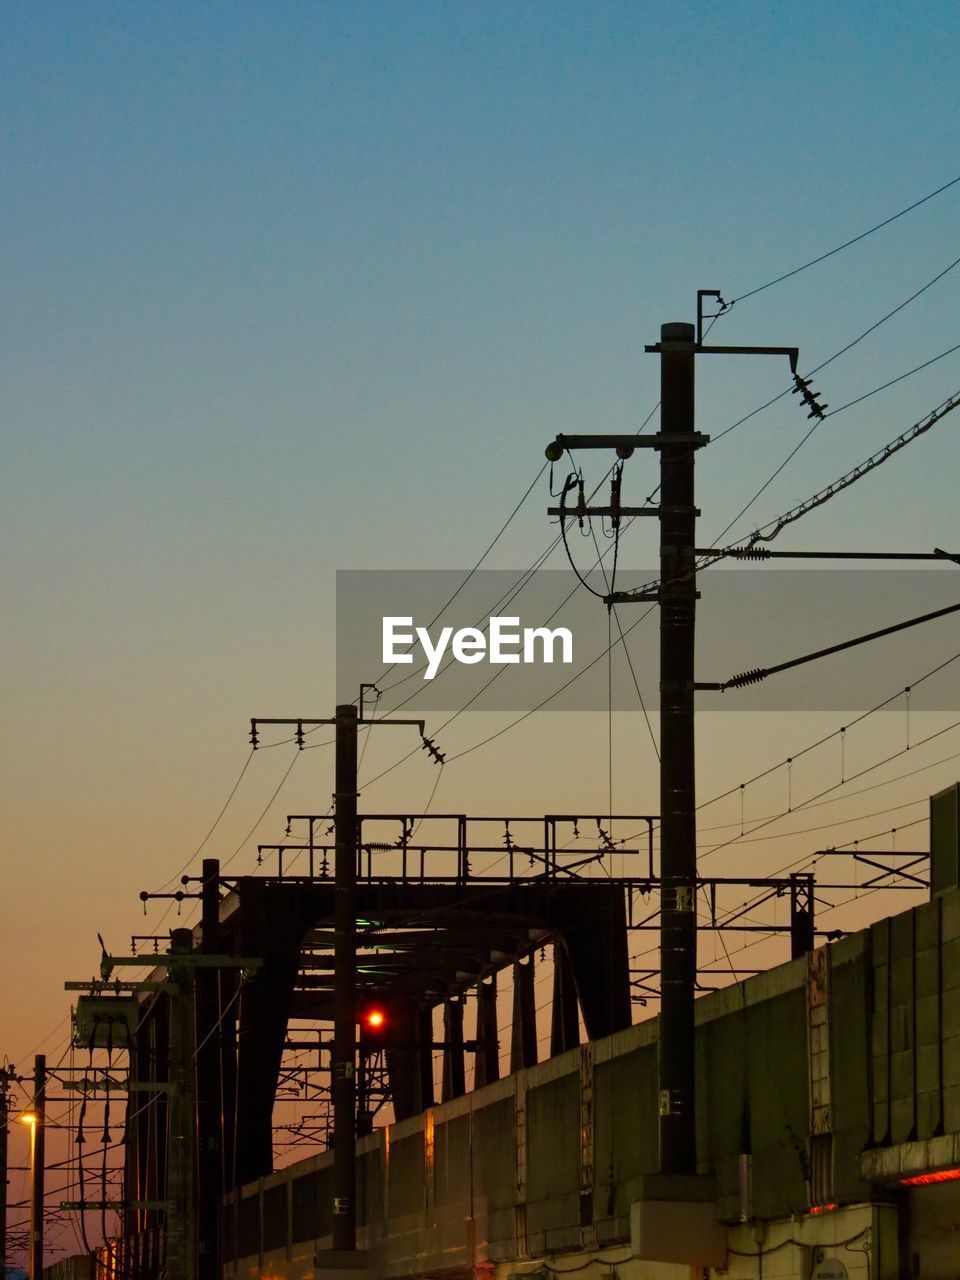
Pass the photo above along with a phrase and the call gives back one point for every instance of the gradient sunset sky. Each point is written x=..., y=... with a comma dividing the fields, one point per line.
x=297, y=287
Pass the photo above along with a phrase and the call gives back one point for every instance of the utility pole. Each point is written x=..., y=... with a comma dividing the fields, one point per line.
x=5, y=1075
x=346, y=722
x=344, y=981
x=677, y=442
x=209, y=1102
x=37, y=1160
x=678, y=826
x=181, y=1144
x=182, y=1205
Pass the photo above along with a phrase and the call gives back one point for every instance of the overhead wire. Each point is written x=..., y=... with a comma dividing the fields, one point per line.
x=226, y=862
x=216, y=822
x=810, y=801
x=719, y=435
x=778, y=470
x=490, y=546
x=767, y=532
x=523, y=499
x=893, y=381
x=787, y=275
x=848, y=346
x=875, y=786
x=517, y=587
x=858, y=400
x=834, y=356
x=471, y=572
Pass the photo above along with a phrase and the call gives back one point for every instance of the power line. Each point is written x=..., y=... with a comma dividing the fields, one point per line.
x=754, y=676
x=556, y=693
x=857, y=473
x=236, y=785
x=227, y=861
x=824, y=826
x=846, y=244
x=467, y=577
x=818, y=795
x=840, y=733
x=612, y=610
x=842, y=351
x=216, y=822
x=517, y=587
x=893, y=381
x=796, y=449
x=900, y=777
x=906, y=302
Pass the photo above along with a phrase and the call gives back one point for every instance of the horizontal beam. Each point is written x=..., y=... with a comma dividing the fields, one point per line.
x=577, y=512
x=625, y=445
x=763, y=553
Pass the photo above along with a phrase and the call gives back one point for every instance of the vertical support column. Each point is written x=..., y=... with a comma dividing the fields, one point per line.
x=487, y=1066
x=523, y=1044
x=364, y=1114
x=209, y=1103
x=344, y=982
x=678, y=843
x=520, y=1142
x=181, y=1157
x=565, y=1013
x=425, y=1057
x=228, y=983
x=801, y=914
x=588, y=1231
x=4, y=1120
x=819, y=1077
x=409, y=1058
x=145, y=1117
x=37, y=1165
x=454, y=1076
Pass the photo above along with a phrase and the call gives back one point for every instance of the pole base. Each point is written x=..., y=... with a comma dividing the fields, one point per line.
x=341, y=1264
x=676, y=1221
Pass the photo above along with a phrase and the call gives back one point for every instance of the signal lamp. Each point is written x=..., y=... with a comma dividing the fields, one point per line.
x=374, y=1019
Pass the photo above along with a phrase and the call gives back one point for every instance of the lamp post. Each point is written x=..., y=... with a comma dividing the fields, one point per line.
x=30, y=1118
x=35, y=1118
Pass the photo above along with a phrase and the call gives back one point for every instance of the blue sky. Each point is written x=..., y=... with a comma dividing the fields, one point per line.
x=297, y=287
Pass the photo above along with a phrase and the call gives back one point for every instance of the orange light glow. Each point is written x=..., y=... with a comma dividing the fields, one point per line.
x=924, y=1179
x=375, y=1018
x=822, y=1208
x=28, y=1117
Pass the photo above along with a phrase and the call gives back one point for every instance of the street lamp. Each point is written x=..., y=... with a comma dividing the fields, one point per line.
x=31, y=1119
x=34, y=1117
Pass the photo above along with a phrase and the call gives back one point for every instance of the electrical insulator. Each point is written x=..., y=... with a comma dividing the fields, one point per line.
x=754, y=676
x=809, y=397
x=750, y=553
x=615, y=498
x=428, y=745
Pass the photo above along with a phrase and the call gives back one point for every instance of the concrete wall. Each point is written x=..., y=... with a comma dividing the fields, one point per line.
x=805, y=1074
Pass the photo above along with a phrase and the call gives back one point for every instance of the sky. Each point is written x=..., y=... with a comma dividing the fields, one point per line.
x=293, y=288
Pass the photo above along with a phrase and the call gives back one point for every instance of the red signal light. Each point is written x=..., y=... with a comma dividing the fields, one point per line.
x=374, y=1022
